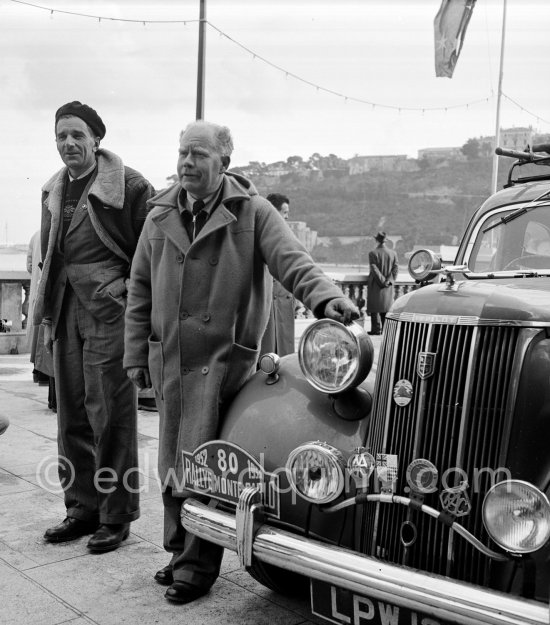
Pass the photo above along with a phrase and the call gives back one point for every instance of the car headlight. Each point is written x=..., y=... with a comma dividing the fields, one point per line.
x=424, y=265
x=335, y=357
x=316, y=471
x=517, y=516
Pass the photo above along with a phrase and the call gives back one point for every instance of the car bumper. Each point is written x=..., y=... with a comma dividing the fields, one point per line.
x=441, y=597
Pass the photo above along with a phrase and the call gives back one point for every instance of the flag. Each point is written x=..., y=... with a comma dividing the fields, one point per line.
x=450, y=25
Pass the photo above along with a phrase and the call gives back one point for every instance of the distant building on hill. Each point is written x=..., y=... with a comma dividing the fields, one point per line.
x=306, y=235
x=441, y=154
x=390, y=162
x=512, y=138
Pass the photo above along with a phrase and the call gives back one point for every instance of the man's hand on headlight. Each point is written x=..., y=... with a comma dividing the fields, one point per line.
x=341, y=309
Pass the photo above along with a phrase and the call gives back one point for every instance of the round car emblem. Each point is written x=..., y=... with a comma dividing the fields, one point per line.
x=402, y=392
x=421, y=475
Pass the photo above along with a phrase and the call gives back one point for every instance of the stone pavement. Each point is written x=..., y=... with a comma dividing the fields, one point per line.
x=46, y=584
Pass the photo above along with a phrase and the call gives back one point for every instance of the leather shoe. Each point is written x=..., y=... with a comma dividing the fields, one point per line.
x=109, y=537
x=182, y=592
x=164, y=576
x=69, y=529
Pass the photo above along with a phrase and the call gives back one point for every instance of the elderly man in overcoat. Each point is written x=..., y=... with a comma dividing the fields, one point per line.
x=198, y=304
x=93, y=210
x=383, y=270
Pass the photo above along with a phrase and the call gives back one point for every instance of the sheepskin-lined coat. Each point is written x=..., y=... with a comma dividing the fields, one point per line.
x=197, y=311
x=116, y=203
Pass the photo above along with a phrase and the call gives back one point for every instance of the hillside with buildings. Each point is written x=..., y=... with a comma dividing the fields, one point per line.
x=337, y=205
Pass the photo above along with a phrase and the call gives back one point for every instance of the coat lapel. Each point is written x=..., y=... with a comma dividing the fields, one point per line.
x=169, y=221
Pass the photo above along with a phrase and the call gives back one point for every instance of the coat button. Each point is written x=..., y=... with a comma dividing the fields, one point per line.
x=214, y=260
x=184, y=314
x=179, y=258
x=205, y=317
x=185, y=370
x=205, y=370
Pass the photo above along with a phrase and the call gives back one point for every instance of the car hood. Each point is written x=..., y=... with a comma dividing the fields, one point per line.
x=510, y=299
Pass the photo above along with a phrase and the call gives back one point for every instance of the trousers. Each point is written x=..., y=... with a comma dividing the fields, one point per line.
x=97, y=417
x=194, y=560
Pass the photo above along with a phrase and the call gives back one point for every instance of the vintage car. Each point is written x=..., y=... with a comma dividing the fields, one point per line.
x=415, y=494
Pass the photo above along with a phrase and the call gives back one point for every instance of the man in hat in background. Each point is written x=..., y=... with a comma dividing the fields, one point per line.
x=383, y=270
x=93, y=211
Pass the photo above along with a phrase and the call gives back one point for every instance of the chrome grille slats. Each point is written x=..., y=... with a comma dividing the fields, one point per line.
x=457, y=418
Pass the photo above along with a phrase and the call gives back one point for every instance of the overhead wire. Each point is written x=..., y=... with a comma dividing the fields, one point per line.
x=288, y=73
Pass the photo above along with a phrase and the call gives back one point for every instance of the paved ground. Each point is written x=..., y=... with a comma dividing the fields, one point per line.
x=45, y=584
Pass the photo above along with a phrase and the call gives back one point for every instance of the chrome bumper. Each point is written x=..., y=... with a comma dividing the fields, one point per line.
x=434, y=595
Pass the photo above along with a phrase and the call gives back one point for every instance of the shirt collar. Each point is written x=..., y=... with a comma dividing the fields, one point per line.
x=186, y=201
x=88, y=171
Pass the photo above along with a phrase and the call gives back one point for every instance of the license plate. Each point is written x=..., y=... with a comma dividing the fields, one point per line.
x=338, y=605
x=222, y=470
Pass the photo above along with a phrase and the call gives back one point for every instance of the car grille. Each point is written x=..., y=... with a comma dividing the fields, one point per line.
x=458, y=417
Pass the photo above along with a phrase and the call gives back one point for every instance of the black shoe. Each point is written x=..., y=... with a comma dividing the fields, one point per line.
x=70, y=529
x=164, y=576
x=109, y=537
x=182, y=592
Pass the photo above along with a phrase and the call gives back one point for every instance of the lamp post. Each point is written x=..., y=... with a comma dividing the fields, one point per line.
x=200, y=66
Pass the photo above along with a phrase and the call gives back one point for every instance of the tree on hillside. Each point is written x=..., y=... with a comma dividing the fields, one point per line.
x=486, y=149
x=295, y=161
x=471, y=149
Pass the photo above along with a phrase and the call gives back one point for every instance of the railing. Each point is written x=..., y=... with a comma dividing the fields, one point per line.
x=355, y=286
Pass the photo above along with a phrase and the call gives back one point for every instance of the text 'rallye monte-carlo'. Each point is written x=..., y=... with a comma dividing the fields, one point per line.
x=418, y=495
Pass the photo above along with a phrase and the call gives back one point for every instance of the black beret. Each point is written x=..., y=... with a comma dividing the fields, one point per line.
x=86, y=113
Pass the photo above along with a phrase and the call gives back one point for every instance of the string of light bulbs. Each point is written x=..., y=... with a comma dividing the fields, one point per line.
x=287, y=73
x=524, y=110
x=100, y=18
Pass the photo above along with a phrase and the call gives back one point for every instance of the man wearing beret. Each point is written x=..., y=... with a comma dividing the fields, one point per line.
x=93, y=211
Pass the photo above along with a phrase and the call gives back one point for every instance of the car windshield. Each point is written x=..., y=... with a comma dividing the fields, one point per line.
x=521, y=244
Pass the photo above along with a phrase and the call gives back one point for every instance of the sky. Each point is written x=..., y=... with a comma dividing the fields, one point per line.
x=271, y=66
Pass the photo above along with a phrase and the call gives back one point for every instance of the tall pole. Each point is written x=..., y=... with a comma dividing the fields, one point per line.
x=499, y=96
x=200, y=68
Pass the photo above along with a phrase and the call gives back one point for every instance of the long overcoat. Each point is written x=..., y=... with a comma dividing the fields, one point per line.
x=197, y=311
x=383, y=269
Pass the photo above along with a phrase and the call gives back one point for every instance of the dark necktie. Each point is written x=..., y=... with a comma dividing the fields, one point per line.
x=199, y=217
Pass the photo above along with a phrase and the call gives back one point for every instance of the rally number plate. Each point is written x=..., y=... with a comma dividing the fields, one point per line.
x=337, y=605
x=221, y=470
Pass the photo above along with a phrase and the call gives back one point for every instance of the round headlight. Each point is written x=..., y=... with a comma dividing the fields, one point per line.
x=333, y=356
x=517, y=516
x=316, y=471
x=424, y=265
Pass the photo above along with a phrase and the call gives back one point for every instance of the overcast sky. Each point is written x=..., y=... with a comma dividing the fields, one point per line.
x=142, y=81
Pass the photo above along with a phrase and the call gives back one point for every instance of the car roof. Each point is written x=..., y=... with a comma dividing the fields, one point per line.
x=518, y=193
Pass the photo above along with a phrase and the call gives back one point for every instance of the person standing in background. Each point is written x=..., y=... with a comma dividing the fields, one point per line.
x=41, y=359
x=279, y=334
x=93, y=211
x=383, y=270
